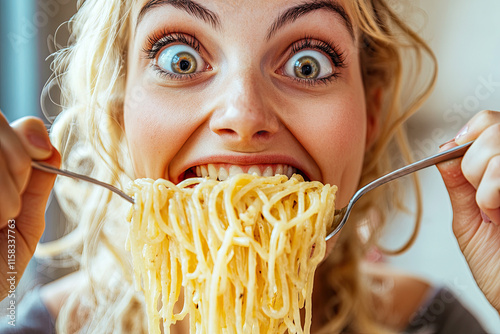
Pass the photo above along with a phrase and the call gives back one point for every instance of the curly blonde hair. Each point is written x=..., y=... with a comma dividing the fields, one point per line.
x=91, y=73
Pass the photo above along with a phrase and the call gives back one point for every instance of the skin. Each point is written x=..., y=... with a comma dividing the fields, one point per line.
x=473, y=184
x=244, y=110
x=24, y=192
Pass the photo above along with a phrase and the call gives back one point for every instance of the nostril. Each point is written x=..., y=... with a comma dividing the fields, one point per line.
x=226, y=132
x=262, y=134
x=230, y=133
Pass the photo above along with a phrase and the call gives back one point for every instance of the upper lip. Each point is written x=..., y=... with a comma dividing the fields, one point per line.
x=246, y=159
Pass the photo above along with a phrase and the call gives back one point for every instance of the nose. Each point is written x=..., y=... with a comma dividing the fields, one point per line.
x=246, y=115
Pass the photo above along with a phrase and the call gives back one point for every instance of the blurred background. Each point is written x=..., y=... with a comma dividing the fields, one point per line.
x=465, y=36
x=27, y=38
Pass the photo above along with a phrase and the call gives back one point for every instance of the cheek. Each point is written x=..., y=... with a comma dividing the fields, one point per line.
x=347, y=137
x=156, y=125
x=335, y=137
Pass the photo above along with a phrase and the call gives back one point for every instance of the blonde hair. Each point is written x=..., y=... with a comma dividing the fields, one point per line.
x=91, y=73
x=384, y=40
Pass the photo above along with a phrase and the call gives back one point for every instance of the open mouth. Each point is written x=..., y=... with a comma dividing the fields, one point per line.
x=223, y=171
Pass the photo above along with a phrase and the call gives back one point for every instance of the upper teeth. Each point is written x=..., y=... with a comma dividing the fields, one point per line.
x=222, y=172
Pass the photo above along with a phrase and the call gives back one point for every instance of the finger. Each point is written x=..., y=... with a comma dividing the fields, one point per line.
x=33, y=135
x=35, y=198
x=16, y=160
x=9, y=195
x=476, y=125
x=488, y=192
x=466, y=213
x=478, y=156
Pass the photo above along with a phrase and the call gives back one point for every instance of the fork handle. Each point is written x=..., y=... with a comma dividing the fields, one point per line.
x=51, y=169
x=342, y=215
x=450, y=154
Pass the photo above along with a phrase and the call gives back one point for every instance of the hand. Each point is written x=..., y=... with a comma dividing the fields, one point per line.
x=473, y=184
x=23, y=196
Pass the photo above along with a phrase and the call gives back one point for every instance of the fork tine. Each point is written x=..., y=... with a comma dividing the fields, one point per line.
x=338, y=222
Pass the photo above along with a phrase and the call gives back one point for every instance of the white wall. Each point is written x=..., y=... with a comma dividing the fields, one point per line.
x=465, y=36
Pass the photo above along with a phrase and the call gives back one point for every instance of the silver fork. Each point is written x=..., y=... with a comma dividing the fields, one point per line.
x=51, y=169
x=341, y=215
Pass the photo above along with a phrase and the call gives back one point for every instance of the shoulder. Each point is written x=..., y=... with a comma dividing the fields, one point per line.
x=31, y=316
x=413, y=305
x=55, y=294
x=399, y=294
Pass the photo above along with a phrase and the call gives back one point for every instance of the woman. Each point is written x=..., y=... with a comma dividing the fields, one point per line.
x=158, y=88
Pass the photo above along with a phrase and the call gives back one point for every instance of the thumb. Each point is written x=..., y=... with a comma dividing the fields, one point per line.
x=466, y=213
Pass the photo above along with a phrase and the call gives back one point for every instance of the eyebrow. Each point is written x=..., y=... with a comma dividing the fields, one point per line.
x=292, y=14
x=189, y=6
x=289, y=16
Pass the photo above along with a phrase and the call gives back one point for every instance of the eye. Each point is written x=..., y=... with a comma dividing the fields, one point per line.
x=180, y=59
x=308, y=64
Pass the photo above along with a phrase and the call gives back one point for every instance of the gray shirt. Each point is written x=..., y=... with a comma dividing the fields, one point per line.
x=443, y=313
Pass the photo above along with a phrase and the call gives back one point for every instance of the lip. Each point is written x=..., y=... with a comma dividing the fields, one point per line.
x=246, y=160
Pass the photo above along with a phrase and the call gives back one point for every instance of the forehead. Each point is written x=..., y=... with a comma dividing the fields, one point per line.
x=216, y=12
x=224, y=6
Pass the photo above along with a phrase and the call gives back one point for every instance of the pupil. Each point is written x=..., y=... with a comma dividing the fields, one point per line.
x=307, y=70
x=184, y=65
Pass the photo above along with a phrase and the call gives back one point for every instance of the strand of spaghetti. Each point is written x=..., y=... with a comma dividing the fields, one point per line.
x=250, y=292
x=229, y=205
x=151, y=226
x=175, y=217
x=281, y=286
x=213, y=212
x=168, y=289
x=201, y=264
x=308, y=302
x=197, y=218
x=214, y=292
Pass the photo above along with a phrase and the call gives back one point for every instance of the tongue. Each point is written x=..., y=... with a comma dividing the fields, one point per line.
x=189, y=174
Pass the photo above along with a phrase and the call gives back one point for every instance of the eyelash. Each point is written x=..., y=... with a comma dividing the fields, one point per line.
x=333, y=52
x=160, y=40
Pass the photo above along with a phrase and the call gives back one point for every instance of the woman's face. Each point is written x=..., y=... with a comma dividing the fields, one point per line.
x=218, y=87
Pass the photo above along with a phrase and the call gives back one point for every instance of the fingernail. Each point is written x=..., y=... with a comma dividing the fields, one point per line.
x=486, y=219
x=463, y=131
x=39, y=141
x=449, y=141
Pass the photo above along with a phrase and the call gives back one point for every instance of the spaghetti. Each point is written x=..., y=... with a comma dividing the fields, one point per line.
x=239, y=255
